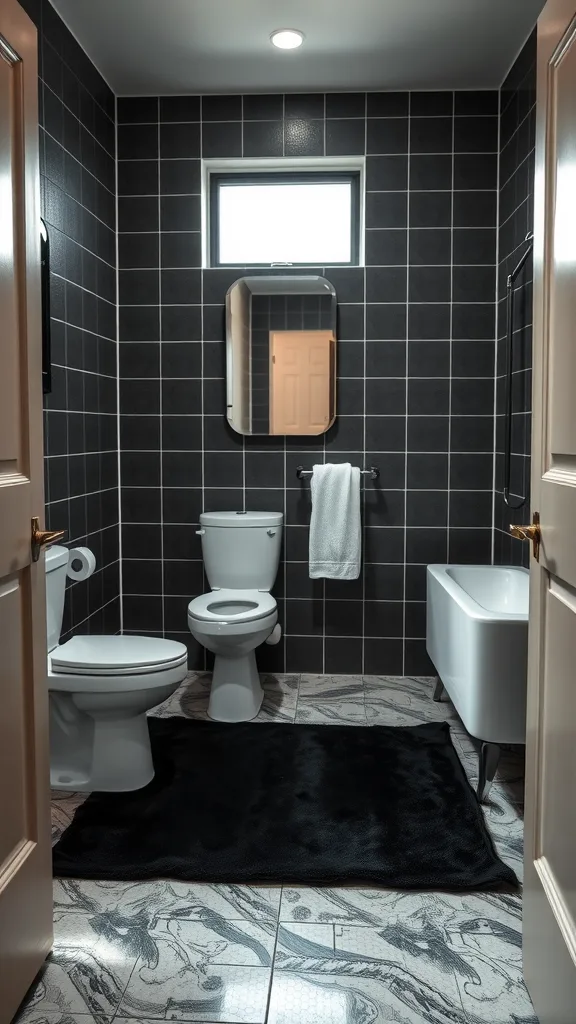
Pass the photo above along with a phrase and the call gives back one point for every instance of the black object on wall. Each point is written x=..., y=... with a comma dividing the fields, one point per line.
x=45, y=286
x=517, y=141
x=77, y=181
x=415, y=365
x=514, y=503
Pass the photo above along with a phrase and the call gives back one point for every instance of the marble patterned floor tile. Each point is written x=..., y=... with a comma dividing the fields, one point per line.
x=199, y=992
x=139, y=905
x=202, y=971
x=277, y=706
x=425, y=684
x=340, y=951
x=276, y=681
x=294, y=937
x=330, y=688
x=303, y=947
x=383, y=713
x=390, y=700
x=50, y=1008
x=453, y=957
x=388, y=945
x=495, y=991
x=357, y=993
x=86, y=972
x=344, y=712
x=511, y=786
x=376, y=908
x=321, y=905
x=506, y=826
x=63, y=807
x=190, y=700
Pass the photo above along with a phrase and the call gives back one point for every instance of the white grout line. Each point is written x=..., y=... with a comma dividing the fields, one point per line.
x=496, y=339
x=405, y=536
x=160, y=398
x=451, y=339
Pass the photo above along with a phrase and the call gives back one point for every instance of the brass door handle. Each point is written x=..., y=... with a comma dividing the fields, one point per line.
x=40, y=538
x=531, y=533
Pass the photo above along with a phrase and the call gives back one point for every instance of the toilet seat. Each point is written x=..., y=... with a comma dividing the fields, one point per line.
x=232, y=606
x=112, y=656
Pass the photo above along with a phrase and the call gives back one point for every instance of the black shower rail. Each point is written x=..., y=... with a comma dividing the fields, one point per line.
x=509, y=356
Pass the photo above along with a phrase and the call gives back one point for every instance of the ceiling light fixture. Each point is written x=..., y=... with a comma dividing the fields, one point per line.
x=287, y=38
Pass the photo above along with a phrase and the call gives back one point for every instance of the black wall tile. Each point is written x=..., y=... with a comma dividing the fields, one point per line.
x=387, y=135
x=304, y=105
x=386, y=173
x=517, y=130
x=263, y=108
x=263, y=138
x=303, y=137
x=345, y=137
x=77, y=187
x=179, y=141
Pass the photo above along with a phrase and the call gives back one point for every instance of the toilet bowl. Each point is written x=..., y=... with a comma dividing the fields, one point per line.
x=100, y=689
x=241, y=553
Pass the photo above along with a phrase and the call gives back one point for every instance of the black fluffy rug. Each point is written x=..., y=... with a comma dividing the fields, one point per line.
x=307, y=804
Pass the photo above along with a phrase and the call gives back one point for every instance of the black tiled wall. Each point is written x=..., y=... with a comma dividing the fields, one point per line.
x=415, y=365
x=517, y=132
x=77, y=165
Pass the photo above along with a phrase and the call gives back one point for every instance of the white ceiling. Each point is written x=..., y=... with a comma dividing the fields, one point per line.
x=155, y=47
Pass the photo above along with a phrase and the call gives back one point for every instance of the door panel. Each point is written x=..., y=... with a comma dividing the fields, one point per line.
x=550, y=855
x=25, y=862
x=300, y=381
x=12, y=768
x=558, y=749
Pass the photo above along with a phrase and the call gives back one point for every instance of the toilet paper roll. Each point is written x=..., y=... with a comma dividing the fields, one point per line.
x=275, y=635
x=87, y=563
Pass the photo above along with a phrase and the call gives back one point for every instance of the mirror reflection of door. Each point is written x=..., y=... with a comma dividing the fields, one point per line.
x=300, y=381
x=293, y=389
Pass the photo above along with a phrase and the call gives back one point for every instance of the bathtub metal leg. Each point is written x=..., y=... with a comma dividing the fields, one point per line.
x=488, y=762
x=438, y=690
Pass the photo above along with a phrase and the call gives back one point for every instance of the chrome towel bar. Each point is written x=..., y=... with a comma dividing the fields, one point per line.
x=373, y=472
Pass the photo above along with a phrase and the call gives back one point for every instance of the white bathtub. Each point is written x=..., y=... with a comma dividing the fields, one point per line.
x=477, y=638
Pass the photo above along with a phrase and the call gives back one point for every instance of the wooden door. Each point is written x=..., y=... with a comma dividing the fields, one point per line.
x=550, y=890
x=25, y=862
x=300, y=381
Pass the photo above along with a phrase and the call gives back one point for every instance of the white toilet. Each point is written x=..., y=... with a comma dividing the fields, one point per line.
x=241, y=552
x=100, y=689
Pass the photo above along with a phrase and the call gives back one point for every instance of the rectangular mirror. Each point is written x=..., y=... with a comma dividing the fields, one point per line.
x=281, y=355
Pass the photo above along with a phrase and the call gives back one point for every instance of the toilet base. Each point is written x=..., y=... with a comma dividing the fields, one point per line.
x=99, y=741
x=236, y=694
x=117, y=759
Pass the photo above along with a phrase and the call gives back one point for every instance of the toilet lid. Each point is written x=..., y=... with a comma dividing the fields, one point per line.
x=232, y=606
x=117, y=655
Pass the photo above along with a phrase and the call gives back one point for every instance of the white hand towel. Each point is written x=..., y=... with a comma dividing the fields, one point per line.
x=335, y=531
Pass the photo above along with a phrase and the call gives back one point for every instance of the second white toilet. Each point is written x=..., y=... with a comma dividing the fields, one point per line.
x=100, y=690
x=241, y=553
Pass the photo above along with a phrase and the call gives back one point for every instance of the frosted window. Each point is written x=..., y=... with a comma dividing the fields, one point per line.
x=285, y=222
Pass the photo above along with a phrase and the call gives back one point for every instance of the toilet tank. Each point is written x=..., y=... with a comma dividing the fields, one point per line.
x=56, y=566
x=241, y=550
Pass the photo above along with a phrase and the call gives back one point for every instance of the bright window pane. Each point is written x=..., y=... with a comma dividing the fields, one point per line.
x=285, y=223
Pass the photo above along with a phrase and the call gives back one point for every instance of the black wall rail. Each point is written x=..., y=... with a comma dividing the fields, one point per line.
x=510, y=282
